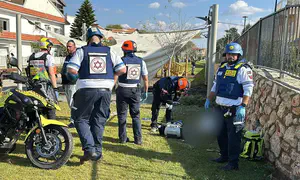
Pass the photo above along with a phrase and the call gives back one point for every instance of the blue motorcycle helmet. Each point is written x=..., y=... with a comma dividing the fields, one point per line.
x=93, y=31
x=233, y=48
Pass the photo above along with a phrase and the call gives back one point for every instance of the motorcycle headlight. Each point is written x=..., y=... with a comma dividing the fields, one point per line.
x=35, y=102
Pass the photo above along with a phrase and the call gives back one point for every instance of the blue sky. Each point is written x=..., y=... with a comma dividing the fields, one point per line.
x=133, y=13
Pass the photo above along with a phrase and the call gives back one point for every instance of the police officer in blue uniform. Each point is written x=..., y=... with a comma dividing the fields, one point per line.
x=165, y=91
x=232, y=88
x=129, y=92
x=68, y=86
x=94, y=66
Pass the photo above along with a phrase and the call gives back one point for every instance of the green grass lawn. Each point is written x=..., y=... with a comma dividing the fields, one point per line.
x=157, y=158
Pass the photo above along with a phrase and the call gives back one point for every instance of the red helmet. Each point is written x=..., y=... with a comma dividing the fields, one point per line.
x=129, y=46
x=183, y=83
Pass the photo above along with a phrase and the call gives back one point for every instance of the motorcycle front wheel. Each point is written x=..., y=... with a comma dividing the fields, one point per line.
x=55, y=153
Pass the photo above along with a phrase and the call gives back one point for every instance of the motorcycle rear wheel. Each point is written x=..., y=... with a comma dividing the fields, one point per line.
x=58, y=151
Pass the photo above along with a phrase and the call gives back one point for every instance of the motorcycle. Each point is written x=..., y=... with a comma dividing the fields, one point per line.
x=48, y=143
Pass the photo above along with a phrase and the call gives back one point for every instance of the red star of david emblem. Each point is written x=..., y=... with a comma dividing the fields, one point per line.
x=97, y=65
x=134, y=72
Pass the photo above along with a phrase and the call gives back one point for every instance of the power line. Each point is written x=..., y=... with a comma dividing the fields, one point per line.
x=231, y=23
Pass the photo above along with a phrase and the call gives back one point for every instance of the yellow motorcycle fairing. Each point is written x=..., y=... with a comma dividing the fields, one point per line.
x=38, y=97
x=3, y=96
x=45, y=122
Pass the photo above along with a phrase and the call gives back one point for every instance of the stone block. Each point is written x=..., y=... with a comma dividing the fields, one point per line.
x=278, y=100
x=285, y=158
x=295, y=121
x=289, y=119
x=282, y=168
x=289, y=136
x=271, y=157
x=267, y=109
x=295, y=170
x=267, y=140
x=257, y=107
x=280, y=129
x=296, y=100
x=296, y=111
x=297, y=132
x=285, y=146
x=272, y=130
x=275, y=145
x=281, y=109
x=274, y=91
x=273, y=117
x=294, y=155
x=263, y=119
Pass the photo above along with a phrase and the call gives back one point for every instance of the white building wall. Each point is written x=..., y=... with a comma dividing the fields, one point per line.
x=27, y=28
x=44, y=6
x=9, y=46
x=70, y=19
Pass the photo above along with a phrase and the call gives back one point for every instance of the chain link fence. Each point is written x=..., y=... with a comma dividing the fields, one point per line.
x=274, y=41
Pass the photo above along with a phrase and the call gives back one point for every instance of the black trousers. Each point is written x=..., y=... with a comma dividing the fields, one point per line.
x=228, y=139
x=129, y=97
x=90, y=113
x=156, y=103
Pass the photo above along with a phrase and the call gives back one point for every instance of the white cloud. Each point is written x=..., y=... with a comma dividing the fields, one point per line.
x=162, y=14
x=120, y=11
x=106, y=9
x=125, y=26
x=154, y=5
x=241, y=8
x=162, y=24
x=178, y=4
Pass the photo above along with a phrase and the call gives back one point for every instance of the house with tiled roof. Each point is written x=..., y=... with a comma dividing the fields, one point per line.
x=48, y=14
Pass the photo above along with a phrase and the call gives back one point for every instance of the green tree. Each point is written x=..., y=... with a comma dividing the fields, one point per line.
x=230, y=36
x=85, y=14
x=114, y=26
x=248, y=26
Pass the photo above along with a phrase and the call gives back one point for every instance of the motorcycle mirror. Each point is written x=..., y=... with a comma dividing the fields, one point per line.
x=13, y=62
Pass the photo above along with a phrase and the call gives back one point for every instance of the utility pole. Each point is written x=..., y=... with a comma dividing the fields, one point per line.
x=245, y=19
x=83, y=31
x=208, y=21
x=19, y=47
x=213, y=46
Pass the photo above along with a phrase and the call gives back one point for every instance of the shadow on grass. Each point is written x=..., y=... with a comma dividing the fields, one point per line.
x=146, y=154
x=15, y=160
x=129, y=168
x=128, y=126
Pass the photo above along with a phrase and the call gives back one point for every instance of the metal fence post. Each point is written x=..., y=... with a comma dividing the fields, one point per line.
x=284, y=42
x=259, y=43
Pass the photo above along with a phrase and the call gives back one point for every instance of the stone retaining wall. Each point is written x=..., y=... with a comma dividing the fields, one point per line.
x=275, y=109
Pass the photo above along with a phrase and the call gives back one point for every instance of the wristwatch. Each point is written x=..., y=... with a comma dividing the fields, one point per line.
x=243, y=104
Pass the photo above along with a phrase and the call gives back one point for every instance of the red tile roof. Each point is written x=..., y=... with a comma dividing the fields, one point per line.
x=25, y=37
x=21, y=9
